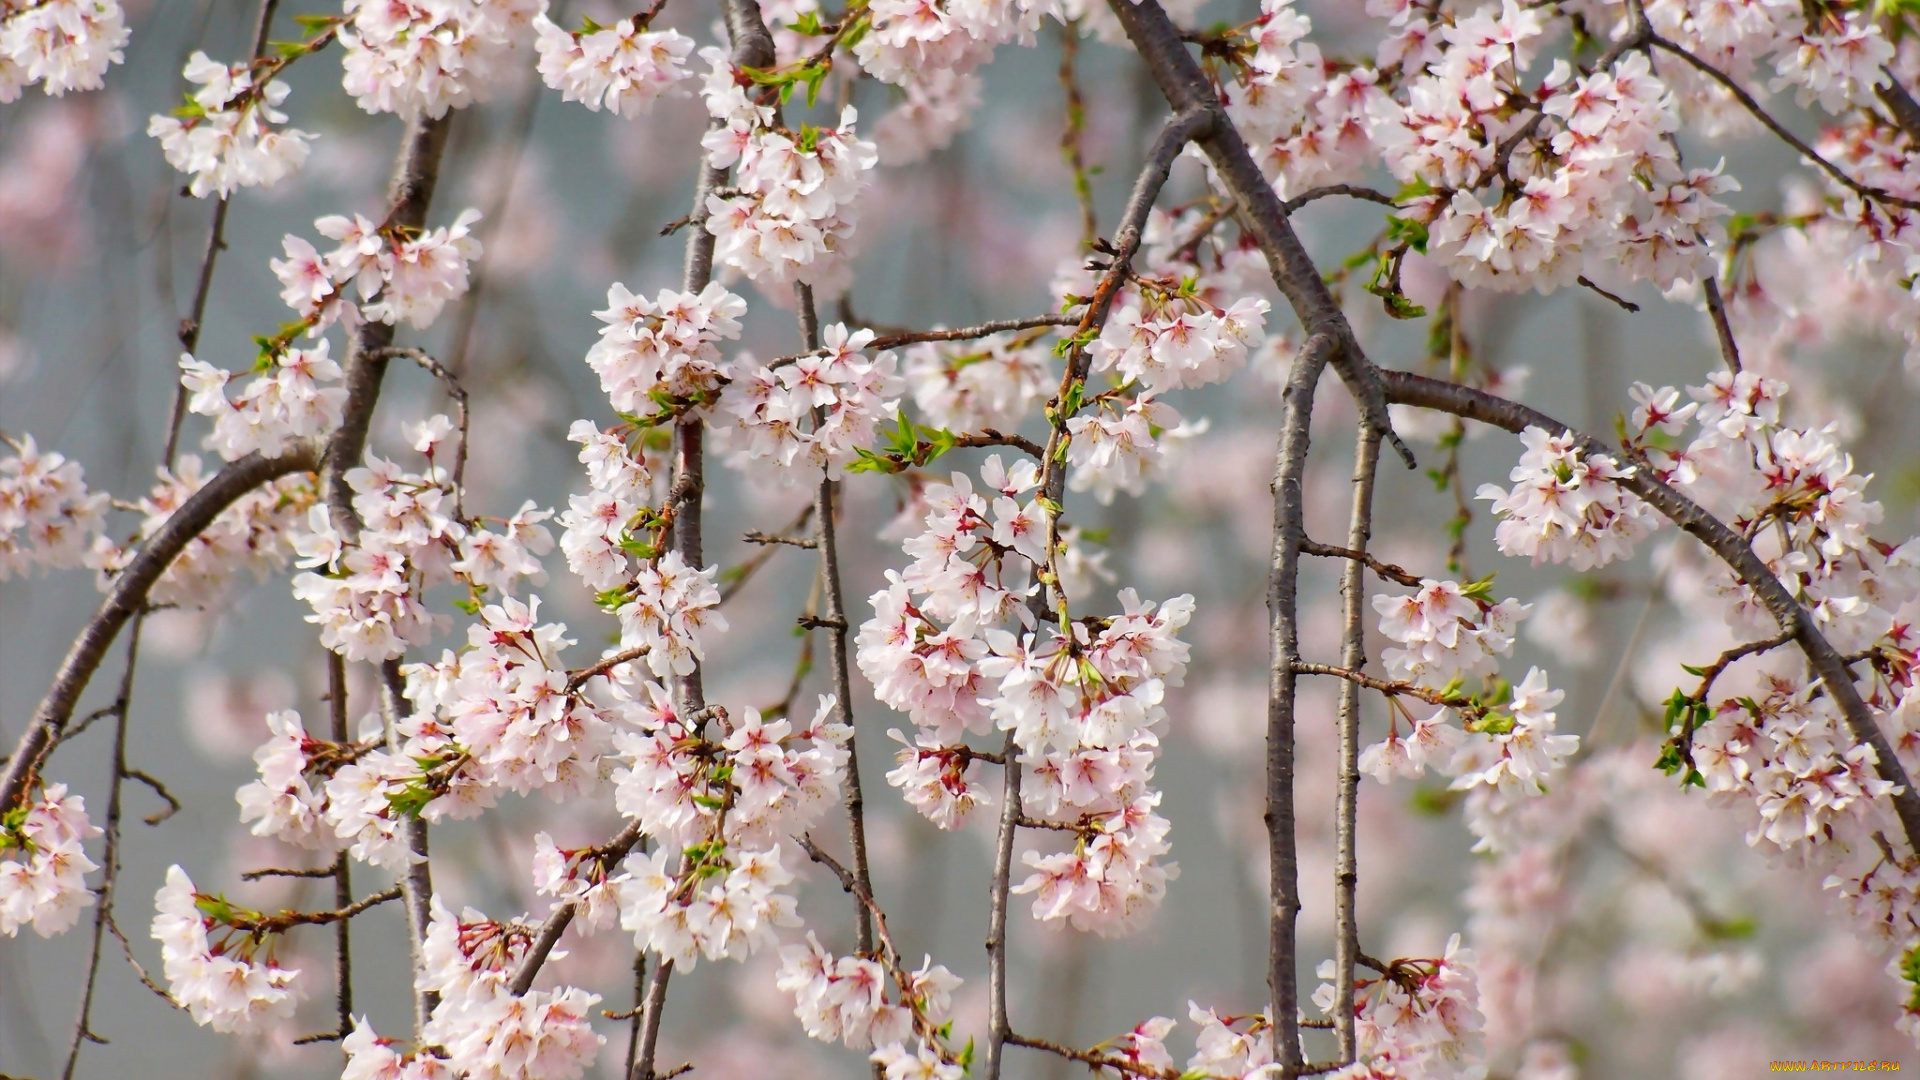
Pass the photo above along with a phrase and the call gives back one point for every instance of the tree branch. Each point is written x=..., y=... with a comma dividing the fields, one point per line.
x=1731, y=548
x=1746, y=100
x=835, y=624
x=1186, y=88
x=128, y=595
x=1283, y=582
x=558, y=920
x=1346, y=872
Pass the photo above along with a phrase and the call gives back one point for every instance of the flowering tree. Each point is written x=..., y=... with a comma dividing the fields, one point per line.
x=1510, y=149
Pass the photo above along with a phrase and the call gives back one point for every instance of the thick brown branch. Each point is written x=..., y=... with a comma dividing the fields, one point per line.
x=1186, y=88
x=1283, y=583
x=1346, y=873
x=128, y=595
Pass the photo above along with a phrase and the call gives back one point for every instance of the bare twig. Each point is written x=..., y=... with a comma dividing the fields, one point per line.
x=1385, y=569
x=580, y=678
x=737, y=578
x=758, y=537
x=1622, y=302
x=1351, y=191
x=459, y=395
x=173, y=804
x=342, y=862
x=287, y=872
x=1093, y=1059
x=1722, y=329
x=1071, y=135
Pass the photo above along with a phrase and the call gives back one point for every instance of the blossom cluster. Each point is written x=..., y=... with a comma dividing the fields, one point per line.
x=792, y=219
x=1581, y=176
x=953, y=644
x=416, y=57
x=60, y=45
x=1567, y=505
x=291, y=400
x=43, y=865
x=1506, y=746
x=654, y=355
x=1173, y=339
x=224, y=984
x=48, y=517
x=990, y=384
x=1306, y=122
x=624, y=67
x=911, y=37
x=480, y=1029
x=727, y=804
x=225, y=139
x=398, y=274
x=817, y=411
x=1421, y=1018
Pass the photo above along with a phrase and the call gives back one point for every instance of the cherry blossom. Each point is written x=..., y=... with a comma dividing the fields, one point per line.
x=226, y=141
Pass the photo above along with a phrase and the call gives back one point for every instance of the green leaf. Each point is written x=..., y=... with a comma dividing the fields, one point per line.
x=1479, y=590
x=315, y=24
x=1670, y=761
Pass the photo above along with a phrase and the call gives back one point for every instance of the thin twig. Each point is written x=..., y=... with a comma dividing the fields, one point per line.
x=1093, y=1059
x=1351, y=191
x=459, y=395
x=1746, y=100
x=1621, y=301
x=1385, y=569
x=1722, y=328
x=835, y=623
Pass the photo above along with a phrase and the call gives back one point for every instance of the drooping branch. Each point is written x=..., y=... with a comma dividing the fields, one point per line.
x=1283, y=583
x=1725, y=543
x=128, y=595
x=835, y=623
x=752, y=48
x=1346, y=859
x=1758, y=112
x=1186, y=88
x=1178, y=131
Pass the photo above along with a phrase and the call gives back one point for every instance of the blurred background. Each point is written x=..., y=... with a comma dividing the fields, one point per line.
x=1670, y=949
